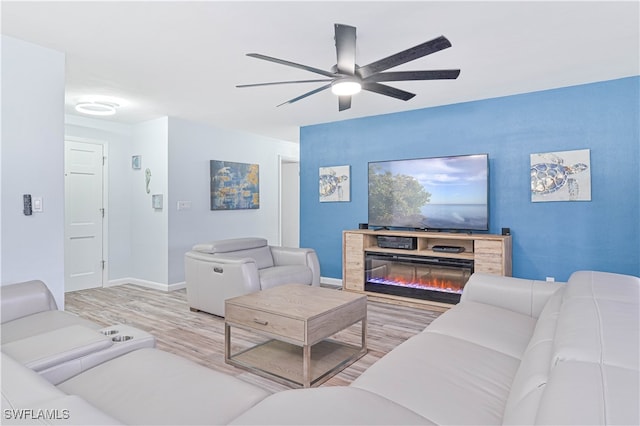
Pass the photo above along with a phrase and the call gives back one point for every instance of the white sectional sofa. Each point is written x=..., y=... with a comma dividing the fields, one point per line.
x=513, y=351
x=58, y=368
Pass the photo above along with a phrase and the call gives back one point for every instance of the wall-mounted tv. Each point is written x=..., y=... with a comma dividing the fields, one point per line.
x=439, y=193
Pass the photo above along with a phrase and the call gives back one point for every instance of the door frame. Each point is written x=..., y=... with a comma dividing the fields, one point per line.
x=105, y=203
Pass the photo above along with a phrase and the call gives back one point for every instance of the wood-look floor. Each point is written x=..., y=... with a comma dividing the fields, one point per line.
x=200, y=336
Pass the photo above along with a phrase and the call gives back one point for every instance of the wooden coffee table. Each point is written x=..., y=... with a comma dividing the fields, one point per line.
x=298, y=320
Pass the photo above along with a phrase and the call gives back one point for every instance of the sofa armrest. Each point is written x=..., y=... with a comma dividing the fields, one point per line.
x=297, y=256
x=520, y=295
x=24, y=299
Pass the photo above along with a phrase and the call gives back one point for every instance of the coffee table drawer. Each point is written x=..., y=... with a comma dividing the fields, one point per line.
x=290, y=328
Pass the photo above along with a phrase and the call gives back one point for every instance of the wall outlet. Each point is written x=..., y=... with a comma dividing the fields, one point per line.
x=551, y=279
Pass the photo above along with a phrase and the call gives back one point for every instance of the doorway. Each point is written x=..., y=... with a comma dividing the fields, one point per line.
x=289, y=202
x=85, y=209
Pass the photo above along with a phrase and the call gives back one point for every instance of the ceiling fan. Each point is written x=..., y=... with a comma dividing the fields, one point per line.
x=347, y=78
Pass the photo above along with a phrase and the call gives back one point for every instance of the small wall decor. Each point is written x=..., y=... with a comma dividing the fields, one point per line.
x=334, y=184
x=561, y=176
x=234, y=186
x=147, y=177
x=136, y=162
x=156, y=201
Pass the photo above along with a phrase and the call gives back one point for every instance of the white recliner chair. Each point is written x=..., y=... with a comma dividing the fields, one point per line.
x=223, y=269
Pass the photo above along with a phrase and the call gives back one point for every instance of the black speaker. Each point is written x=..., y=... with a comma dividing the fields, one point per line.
x=363, y=226
x=506, y=231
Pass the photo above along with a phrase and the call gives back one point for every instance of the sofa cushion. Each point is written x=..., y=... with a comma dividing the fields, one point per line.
x=24, y=299
x=585, y=393
x=27, y=398
x=533, y=373
x=329, y=405
x=599, y=320
x=444, y=379
x=41, y=322
x=261, y=255
x=595, y=361
x=55, y=347
x=287, y=274
x=495, y=328
x=149, y=386
x=240, y=248
x=21, y=387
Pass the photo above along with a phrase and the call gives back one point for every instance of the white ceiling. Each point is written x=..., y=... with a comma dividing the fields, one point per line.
x=184, y=59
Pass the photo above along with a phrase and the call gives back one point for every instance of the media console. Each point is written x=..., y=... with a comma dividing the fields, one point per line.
x=486, y=253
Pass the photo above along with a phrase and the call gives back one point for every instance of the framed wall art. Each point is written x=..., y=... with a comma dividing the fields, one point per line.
x=136, y=162
x=335, y=184
x=234, y=186
x=561, y=176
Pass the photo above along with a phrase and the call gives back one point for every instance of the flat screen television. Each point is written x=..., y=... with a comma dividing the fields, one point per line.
x=439, y=193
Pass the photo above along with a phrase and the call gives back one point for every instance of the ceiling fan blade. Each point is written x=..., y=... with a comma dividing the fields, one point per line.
x=313, y=92
x=282, y=82
x=344, y=102
x=405, y=56
x=292, y=64
x=415, y=75
x=345, y=49
x=387, y=90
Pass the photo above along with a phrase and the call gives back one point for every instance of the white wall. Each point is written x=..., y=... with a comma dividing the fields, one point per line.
x=145, y=245
x=32, y=163
x=149, y=227
x=191, y=147
x=118, y=139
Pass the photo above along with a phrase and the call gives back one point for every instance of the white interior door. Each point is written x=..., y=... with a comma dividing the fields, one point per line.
x=84, y=214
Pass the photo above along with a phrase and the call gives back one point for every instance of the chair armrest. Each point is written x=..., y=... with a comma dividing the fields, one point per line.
x=213, y=278
x=297, y=256
x=24, y=299
x=520, y=295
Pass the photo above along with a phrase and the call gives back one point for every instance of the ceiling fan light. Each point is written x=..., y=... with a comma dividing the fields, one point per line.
x=97, y=108
x=345, y=87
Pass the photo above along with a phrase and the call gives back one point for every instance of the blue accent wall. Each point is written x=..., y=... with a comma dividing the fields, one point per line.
x=549, y=238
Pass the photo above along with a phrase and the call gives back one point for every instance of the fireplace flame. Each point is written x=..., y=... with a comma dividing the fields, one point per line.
x=433, y=284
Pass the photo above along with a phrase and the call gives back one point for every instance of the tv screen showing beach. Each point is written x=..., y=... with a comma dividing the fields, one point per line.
x=442, y=193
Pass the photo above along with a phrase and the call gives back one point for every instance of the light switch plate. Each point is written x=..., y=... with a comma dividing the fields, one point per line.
x=184, y=205
x=37, y=204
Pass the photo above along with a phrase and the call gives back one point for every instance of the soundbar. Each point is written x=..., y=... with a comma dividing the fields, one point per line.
x=448, y=249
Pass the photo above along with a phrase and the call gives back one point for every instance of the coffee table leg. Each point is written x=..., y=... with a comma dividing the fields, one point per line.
x=306, y=366
x=227, y=342
x=364, y=333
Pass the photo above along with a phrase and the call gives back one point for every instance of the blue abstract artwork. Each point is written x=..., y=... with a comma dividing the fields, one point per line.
x=234, y=186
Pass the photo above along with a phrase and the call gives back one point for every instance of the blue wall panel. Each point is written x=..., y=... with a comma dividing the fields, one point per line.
x=550, y=239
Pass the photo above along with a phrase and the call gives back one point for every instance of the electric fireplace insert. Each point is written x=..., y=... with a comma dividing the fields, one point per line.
x=440, y=279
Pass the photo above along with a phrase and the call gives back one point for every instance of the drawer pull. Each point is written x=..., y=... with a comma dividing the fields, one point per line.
x=218, y=269
x=261, y=322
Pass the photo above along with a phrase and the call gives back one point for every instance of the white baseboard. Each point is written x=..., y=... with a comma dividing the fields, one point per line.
x=148, y=284
x=331, y=282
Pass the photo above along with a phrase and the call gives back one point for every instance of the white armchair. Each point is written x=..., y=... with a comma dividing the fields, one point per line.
x=223, y=269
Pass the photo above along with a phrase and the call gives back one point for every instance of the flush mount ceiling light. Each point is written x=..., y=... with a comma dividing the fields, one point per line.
x=97, y=107
x=346, y=87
